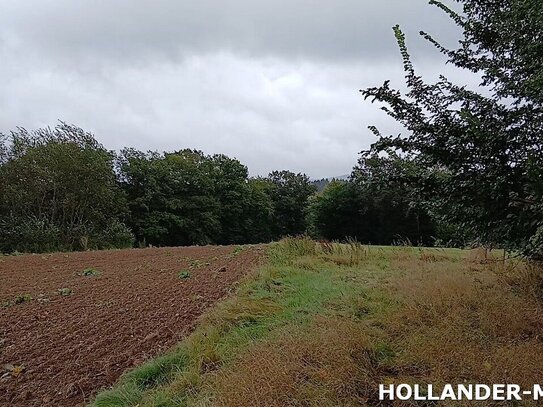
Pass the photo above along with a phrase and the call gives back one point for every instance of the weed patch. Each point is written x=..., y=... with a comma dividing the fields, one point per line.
x=184, y=275
x=64, y=292
x=196, y=264
x=18, y=300
x=89, y=272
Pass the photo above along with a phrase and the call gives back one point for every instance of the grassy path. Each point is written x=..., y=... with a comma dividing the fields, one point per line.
x=323, y=325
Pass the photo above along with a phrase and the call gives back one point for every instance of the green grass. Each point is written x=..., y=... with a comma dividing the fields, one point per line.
x=324, y=324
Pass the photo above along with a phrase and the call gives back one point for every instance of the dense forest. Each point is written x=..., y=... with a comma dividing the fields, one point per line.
x=62, y=190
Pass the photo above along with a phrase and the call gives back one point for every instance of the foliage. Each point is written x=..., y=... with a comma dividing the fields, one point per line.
x=259, y=212
x=245, y=207
x=480, y=155
x=535, y=245
x=320, y=184
x=20, y=299
x=61, y=190
x=64, y=292
x=187, y=197
x=58, y=191
x=338, y=212
x=184, y=274
x=232, y=192
x=89, y=272
x=170, y=197
x=373, y=207
x=115, y=235
x=289, y=194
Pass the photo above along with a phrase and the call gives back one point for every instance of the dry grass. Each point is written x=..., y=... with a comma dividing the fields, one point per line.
x=443, y=317
x=352, y=253
x=466, y=321
x=328, y=363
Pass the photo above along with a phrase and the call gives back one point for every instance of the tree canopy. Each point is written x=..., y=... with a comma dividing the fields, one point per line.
x=479, y=153
x=372, y=207
x=289, y=193
x=58, y=191
x=187, y=198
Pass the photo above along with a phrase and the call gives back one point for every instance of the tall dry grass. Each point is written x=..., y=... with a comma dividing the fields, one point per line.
x=329, y=363
x=474, y=321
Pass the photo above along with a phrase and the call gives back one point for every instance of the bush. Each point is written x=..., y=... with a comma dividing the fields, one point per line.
x=115, y=236
x=535, y=248
x=59, y=191
x=31, y=235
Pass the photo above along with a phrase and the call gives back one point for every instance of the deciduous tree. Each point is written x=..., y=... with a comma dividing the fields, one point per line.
x=480, y=151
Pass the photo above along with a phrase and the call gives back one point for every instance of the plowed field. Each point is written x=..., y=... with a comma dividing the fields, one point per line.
x=72, y=323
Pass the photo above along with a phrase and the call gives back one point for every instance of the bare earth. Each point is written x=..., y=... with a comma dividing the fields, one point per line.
x=73, y=345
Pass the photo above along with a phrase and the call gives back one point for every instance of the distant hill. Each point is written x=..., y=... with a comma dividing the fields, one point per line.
x=321, y=183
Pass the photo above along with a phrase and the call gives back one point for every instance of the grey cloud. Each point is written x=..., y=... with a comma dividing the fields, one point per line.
x=127, y=30
x=273, y=83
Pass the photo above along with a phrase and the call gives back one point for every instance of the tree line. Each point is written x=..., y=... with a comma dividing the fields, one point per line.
x=62, y=190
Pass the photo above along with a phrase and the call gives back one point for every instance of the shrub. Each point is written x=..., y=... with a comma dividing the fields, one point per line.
x=31, y=235
x=115, y=236
x=535, y=247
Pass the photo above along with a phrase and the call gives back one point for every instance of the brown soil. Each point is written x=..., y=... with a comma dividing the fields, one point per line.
x=75, y=344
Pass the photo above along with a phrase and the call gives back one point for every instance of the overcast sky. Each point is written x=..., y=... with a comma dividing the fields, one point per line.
x=273, y=83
